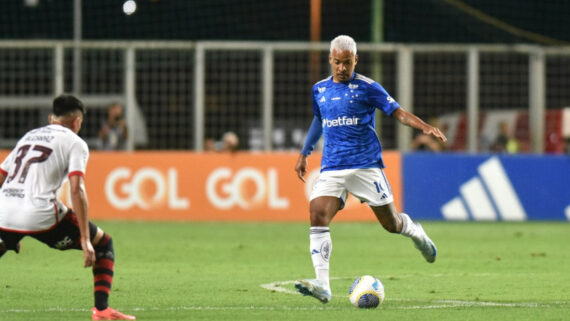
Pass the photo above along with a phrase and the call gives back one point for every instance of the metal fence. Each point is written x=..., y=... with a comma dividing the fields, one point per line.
x=178, y=94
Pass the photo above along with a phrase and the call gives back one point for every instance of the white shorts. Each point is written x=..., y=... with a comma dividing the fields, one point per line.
x=26, y=217
x=367, y=184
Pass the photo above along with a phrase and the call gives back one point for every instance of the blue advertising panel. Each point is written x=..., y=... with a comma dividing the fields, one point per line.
x=486, y=187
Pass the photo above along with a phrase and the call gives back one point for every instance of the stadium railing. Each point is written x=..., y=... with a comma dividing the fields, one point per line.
x=177, y=94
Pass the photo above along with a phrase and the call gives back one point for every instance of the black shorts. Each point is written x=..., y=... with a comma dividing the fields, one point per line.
x=64, y=236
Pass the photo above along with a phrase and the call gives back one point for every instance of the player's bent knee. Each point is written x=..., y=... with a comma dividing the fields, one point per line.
x=98, y=236
x=104, y=249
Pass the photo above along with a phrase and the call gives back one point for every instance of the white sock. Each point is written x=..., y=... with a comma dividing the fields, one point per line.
x=408, y=227
x=321, y=248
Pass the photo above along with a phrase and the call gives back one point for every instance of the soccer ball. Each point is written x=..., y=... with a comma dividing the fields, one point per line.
x=366, y=292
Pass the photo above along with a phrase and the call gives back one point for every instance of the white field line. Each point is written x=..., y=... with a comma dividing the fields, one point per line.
x=278, y=287
x=431, y=304
x=439, y=304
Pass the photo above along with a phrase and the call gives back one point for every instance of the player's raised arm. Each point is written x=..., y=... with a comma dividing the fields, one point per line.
x=409, y=119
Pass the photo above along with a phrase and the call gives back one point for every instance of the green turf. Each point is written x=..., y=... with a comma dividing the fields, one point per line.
x=214, y=271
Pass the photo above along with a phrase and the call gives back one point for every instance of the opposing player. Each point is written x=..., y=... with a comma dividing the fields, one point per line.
x=344, y=105
x=29, y=179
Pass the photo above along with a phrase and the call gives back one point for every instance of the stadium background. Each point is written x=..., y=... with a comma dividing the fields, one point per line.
x=191, y=70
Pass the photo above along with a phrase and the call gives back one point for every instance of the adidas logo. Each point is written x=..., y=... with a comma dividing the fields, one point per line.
x=488, y=196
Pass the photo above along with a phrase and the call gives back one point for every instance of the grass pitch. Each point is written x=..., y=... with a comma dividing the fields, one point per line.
x=244, y=271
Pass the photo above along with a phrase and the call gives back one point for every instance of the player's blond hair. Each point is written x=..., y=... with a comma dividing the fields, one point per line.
x=343, y=43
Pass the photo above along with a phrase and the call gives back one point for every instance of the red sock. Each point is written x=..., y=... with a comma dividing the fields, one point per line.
x=103, y=271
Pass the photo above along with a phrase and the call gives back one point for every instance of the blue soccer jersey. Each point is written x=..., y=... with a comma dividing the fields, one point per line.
x=346, y=113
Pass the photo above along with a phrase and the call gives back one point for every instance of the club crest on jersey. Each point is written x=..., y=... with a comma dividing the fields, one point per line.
x=321, y=89
x=352, y=86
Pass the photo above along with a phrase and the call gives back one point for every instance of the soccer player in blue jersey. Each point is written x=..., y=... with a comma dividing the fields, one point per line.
x=344, y=105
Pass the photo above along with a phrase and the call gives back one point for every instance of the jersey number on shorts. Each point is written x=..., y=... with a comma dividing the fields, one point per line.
x=21, y=154
x=378, y=187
